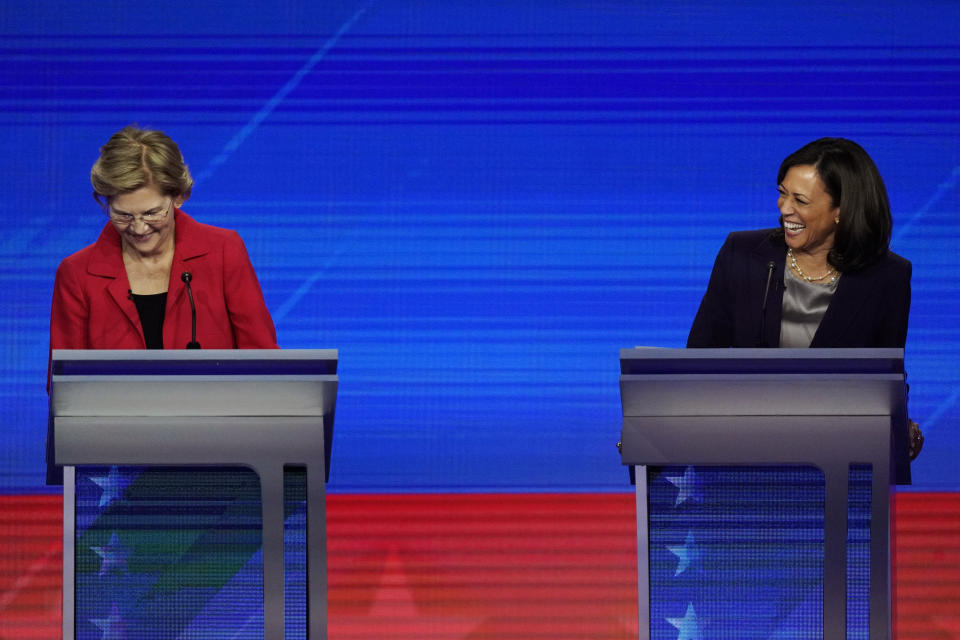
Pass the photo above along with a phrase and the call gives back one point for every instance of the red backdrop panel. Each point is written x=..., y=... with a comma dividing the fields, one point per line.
x=504, y=566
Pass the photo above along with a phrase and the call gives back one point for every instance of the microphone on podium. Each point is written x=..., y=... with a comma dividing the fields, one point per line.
x=771, y=266
x=186, y=276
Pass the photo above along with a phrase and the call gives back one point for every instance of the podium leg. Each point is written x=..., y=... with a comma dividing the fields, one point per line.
x=316, y=553
x=271, y=491
x=835, y=552
x=69, y=553
x=880, y=526
x=643, y=554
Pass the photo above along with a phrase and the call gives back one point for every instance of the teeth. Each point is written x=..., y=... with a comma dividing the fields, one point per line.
x=794, y=226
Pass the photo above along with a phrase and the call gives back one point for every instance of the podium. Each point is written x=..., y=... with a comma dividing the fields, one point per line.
x=262, y=409
x=828, y=408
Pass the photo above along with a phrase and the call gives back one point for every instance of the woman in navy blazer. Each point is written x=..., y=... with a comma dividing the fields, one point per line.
x=825, y=277
x=869, y=308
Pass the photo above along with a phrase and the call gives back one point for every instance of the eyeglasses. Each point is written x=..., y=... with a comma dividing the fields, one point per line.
x=154, y=215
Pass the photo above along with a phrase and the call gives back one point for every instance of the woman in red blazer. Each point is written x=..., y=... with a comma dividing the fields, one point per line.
x=95, y=297
x=128, y=289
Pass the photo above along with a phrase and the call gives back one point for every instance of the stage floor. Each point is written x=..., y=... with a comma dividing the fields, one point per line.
x=503, y=566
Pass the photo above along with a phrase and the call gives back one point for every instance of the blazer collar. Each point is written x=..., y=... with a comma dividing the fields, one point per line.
x=107, y=259
x=188, y=243
x=189, y=246
x=107, y=262
x=853, y=290
x=768, y=247
x=845, y=304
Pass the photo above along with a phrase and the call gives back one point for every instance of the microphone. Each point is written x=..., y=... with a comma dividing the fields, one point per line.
x=771, y=266
x=186, y=276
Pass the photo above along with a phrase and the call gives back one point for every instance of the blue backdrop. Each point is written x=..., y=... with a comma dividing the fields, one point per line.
x=478, y=203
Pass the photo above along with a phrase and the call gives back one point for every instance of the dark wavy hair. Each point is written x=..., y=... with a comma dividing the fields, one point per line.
x=855, y=186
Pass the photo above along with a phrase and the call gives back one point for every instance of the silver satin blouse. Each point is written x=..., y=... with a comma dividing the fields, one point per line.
x=804, y=304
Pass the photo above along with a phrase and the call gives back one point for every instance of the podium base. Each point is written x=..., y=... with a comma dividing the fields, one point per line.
x=739, y=552
x=166, y=552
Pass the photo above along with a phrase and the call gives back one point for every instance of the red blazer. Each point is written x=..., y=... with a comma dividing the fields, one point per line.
x=92, y=308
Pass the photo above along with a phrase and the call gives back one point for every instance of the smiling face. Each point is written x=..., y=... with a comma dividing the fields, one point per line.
x=807, y=212
x=145, y=221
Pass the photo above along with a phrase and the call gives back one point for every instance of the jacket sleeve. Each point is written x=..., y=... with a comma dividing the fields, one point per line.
x=893, y=333
x=713, y=324
x=251, y=322
x=894, y=329
x=69, y=313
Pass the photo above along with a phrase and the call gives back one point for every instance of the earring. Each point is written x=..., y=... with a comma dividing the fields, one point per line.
x=836, y=220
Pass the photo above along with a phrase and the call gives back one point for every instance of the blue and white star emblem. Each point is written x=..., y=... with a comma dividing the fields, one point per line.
x=687, y=554
x=687, y=625
x=688, y=488
x=110, y=485
x=114, y=556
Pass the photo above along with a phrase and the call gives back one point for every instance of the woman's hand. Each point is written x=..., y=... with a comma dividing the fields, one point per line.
x=916, y=440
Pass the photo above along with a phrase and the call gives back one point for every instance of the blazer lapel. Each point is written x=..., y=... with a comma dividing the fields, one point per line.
x=845, y=305
x=186, y=248
x=107, y=262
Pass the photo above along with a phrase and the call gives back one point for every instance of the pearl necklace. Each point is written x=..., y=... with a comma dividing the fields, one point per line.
x=831, y=272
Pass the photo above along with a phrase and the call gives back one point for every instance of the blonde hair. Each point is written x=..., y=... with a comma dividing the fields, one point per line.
x=134, y=158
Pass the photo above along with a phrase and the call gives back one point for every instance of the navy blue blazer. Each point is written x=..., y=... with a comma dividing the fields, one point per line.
x=869, y=309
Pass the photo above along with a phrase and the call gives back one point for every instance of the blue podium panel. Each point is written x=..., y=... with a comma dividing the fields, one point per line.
x=738, y=552
x=827, y=410
x=176, y=552
x=263, y=410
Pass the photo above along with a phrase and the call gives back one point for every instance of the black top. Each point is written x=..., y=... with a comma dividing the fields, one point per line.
x=151, y=309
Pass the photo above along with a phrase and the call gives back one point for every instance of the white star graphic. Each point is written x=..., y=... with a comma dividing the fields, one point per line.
x=687, y=486
x=686, y=554
x=687, y=625
x=112, y=626
x=110, y=485
x=114, y=555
